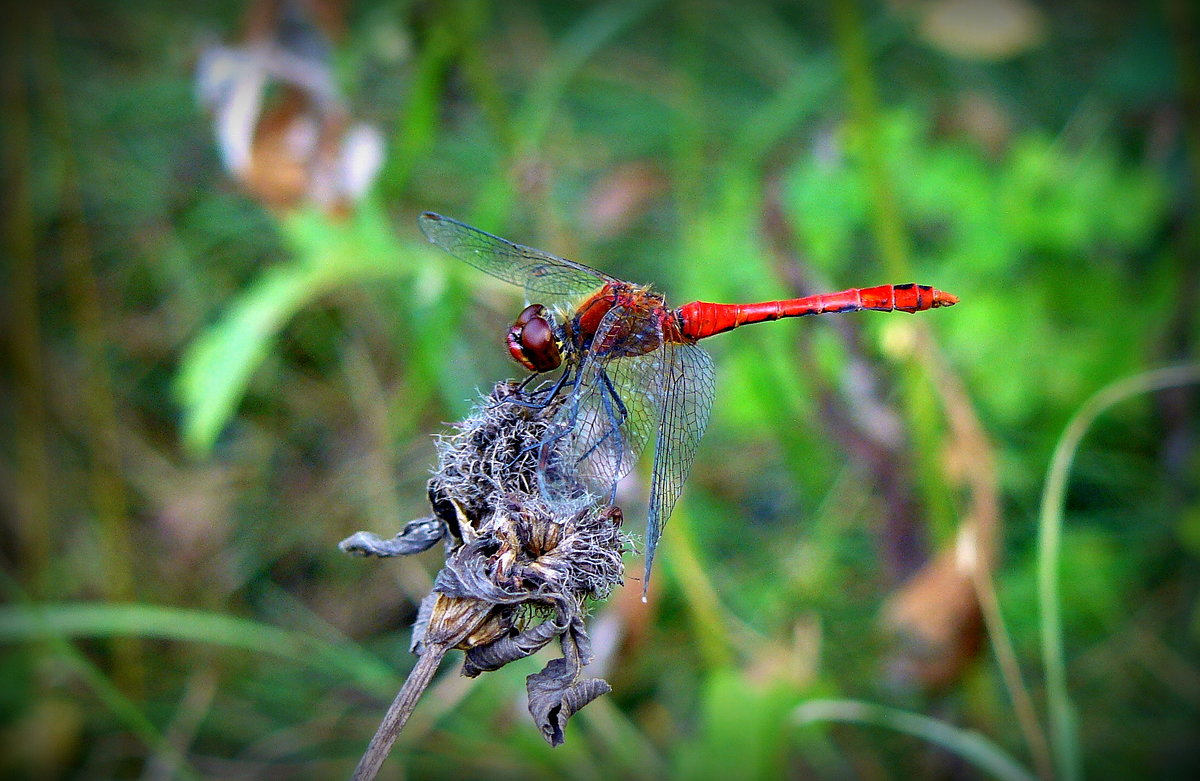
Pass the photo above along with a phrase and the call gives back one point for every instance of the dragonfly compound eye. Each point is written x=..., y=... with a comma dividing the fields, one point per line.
x=530, y=312
x=532, y=341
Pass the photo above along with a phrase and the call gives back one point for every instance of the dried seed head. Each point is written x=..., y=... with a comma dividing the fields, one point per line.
x=484, y=488
x=516, y=574
x=492, y=454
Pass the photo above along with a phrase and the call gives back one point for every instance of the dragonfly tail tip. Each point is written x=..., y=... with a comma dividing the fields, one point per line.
x=942, y=298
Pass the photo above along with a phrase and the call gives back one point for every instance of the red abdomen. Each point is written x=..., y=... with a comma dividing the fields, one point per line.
x=700, y=319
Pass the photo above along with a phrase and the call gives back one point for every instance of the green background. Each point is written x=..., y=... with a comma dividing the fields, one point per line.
x=202, y=396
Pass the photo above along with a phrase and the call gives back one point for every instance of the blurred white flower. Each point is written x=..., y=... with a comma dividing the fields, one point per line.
x=281, y=125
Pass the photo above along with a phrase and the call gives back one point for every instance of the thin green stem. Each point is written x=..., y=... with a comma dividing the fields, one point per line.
x=602, y=24
x=892, y=241
x=594, y=30
x=1010, y=669
x=888, y=224
x=417, y=132
x=480, y=73
x=1064, y=732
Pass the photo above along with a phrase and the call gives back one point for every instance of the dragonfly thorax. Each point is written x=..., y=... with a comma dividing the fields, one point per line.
x=533, y=341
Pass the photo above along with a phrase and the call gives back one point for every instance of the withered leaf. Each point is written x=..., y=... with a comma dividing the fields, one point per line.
x=419, y=535
x=556, y=693
x=493, y=656
x=466, y=575
x=553, y=699
x=421, y=625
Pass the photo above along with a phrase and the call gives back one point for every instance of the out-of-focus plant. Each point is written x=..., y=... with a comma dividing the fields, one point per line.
x=327, y=255
x=281, y=125
x=284, y=133
x=1009, y=233
x=313, y=356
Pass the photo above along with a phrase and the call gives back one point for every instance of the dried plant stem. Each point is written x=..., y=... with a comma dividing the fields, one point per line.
x=979, y=536
x=397, y=715
x=1006, y=657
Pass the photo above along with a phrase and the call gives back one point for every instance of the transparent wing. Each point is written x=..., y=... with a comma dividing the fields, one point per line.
x=687, y=398
x=546, y=278
x=610, y=415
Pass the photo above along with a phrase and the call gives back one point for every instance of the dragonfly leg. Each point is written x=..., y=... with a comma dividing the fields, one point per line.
x=540, y=398
x=521, y=388
x=552, y=393
x=562, y=429
x=609, y=397
x=518, y=395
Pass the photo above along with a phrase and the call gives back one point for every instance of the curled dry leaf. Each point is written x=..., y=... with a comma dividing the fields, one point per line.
x=936, y=625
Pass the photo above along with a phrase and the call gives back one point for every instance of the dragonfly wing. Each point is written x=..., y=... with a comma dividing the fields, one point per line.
x=608, y=418
x=545, y=277
x=687, y=399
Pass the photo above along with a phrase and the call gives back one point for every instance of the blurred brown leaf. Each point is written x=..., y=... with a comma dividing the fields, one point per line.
x=794, y=661
x=981, y=118
x=937, y=625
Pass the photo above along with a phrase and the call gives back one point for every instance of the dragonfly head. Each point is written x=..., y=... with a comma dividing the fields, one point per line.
x=533, y=340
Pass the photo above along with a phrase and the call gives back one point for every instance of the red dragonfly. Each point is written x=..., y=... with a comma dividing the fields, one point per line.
x=633, y=371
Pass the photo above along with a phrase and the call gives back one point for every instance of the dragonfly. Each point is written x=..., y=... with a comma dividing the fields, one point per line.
x=632, y=371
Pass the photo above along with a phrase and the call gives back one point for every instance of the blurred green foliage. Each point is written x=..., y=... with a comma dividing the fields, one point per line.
x=221, y=392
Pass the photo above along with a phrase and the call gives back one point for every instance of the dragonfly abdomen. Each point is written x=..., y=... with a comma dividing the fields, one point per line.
x=701, y=319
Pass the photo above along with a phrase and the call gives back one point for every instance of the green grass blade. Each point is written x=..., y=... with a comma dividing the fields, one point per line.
x=1064, y=732
x=35, y=622
x=968, y=744
x=217, y=367
x=124, y=709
